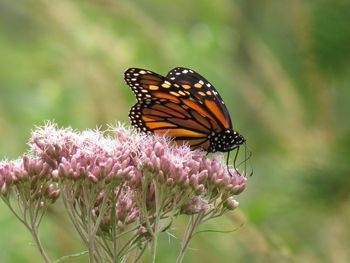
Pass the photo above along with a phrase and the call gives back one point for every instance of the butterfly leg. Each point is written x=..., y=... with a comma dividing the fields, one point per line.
x=234, y=161
x=236, y=156
x=248, y=159
x=227, y=159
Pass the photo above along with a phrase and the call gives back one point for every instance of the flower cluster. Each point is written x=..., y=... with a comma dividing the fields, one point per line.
x=124, y=182
x=32, y=175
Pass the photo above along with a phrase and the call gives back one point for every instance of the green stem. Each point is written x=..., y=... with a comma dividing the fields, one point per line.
x=158, y=191
x=39, y=245
x=90, y=226
x=68, y=203
x=154, y=245
x=139, y=254
x=113, y=220
x=32, y=227
x=191, y=226
x=34, y=209
x=127, y=247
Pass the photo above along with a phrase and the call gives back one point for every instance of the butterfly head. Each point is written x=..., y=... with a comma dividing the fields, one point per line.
x=225, y=141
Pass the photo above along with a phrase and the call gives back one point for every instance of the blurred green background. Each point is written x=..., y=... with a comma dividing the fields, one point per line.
x=282, y=67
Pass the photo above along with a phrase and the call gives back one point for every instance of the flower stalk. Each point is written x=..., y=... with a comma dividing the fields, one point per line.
x=193, y=223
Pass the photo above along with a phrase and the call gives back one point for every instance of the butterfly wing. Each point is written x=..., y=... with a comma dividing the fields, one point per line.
x=166, y=107
x=170, y=118
x=148, y=85
x=202, y=90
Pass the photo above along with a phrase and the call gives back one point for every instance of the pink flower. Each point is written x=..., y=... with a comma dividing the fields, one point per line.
x=61, y=158
x=231, y=203
x=195, y=205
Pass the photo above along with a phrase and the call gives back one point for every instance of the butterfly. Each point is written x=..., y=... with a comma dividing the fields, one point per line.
x=184, y=106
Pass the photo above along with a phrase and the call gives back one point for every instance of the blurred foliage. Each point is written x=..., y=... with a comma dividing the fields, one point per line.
x=282, y=67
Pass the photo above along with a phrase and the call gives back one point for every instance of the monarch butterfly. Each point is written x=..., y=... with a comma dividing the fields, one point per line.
x=182, y=105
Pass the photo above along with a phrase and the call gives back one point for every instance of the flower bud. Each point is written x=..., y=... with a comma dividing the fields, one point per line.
x=231, y=203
